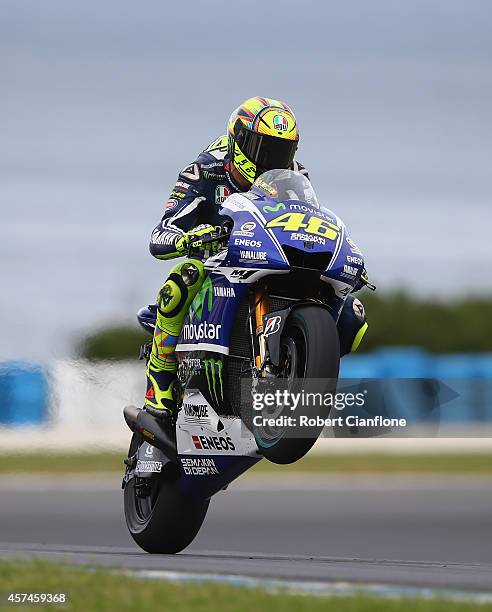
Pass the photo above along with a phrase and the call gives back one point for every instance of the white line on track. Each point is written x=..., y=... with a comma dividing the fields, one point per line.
x=317, y=575
x=327, y=589
x=263, y=482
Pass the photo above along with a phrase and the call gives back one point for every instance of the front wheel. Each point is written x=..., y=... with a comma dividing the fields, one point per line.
x=310, y=349
x=160, y=519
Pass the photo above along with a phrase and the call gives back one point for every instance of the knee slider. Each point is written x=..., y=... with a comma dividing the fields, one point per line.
x=351, y=325
x=173, y=295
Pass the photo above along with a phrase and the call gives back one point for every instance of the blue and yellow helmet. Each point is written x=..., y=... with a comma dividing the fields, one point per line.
x=263, y=136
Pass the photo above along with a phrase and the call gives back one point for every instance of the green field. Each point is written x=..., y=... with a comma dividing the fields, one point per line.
x=101, y=591
x=345, y=463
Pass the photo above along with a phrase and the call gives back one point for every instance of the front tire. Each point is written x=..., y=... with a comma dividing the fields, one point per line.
x=311, y=343
x=164, y=522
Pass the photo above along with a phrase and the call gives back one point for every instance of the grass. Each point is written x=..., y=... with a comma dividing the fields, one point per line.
x=344, y=463
x=104, y=591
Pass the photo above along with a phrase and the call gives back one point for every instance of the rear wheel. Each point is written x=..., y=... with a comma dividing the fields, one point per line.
x=160, y=519
x=309, y=350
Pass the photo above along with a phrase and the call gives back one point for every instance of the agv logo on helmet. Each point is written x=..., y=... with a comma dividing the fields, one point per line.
x=280, y=123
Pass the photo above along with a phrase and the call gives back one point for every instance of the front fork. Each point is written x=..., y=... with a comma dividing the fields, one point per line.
x=259, y=306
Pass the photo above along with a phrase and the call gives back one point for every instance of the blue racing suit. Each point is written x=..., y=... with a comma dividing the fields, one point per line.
x=196, y=199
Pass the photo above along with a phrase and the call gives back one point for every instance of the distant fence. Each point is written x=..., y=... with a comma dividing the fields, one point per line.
x=464, y=394
x=416, y=363
x=24, y=394
x=82, y=394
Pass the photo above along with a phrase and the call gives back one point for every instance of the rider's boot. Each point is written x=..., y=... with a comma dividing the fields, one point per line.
x=173, y=302
x=161, y=396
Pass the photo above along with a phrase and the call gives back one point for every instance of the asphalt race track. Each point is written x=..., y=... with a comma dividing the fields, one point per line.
x=421, y=531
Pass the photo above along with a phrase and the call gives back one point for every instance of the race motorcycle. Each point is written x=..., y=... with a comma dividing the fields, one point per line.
x=266, y=313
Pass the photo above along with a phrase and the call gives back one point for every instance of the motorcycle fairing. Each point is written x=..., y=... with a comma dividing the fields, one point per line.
x=344, y=271
x=262, y=228
x=290, y=221
x=197, y=419
x=287, y=223
x=208, y=324
x=212, y=449
x=201, y=477
x=253, y=250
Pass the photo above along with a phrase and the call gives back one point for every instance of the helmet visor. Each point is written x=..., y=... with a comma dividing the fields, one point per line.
x=266, y=152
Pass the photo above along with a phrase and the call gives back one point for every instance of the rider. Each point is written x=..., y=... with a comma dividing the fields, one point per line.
x=262, y=135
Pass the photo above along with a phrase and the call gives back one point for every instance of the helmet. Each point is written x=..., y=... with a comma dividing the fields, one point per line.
x=263, y=136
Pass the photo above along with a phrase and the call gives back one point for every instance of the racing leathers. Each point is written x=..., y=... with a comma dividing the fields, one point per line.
x=192, y=211
x=196, y=199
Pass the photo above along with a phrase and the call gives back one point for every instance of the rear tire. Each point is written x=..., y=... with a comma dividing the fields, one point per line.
x=310, y=332
x=165, y=522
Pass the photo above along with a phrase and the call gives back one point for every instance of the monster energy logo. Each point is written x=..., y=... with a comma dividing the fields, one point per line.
x=205, y=294
x=213, y=372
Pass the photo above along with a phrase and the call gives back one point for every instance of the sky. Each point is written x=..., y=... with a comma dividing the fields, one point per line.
x=103, y=103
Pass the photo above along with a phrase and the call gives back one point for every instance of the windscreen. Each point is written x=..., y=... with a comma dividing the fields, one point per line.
x=286, y=185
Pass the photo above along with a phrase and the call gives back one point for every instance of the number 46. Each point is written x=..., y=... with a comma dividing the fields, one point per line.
x=293, y=222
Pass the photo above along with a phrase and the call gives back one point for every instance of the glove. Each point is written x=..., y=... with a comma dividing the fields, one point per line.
x=195, y=238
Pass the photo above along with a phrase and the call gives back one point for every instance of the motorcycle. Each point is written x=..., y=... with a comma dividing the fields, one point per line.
x=266, y=312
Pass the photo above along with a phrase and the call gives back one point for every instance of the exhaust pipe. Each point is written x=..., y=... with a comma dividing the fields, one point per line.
x=143, y=423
